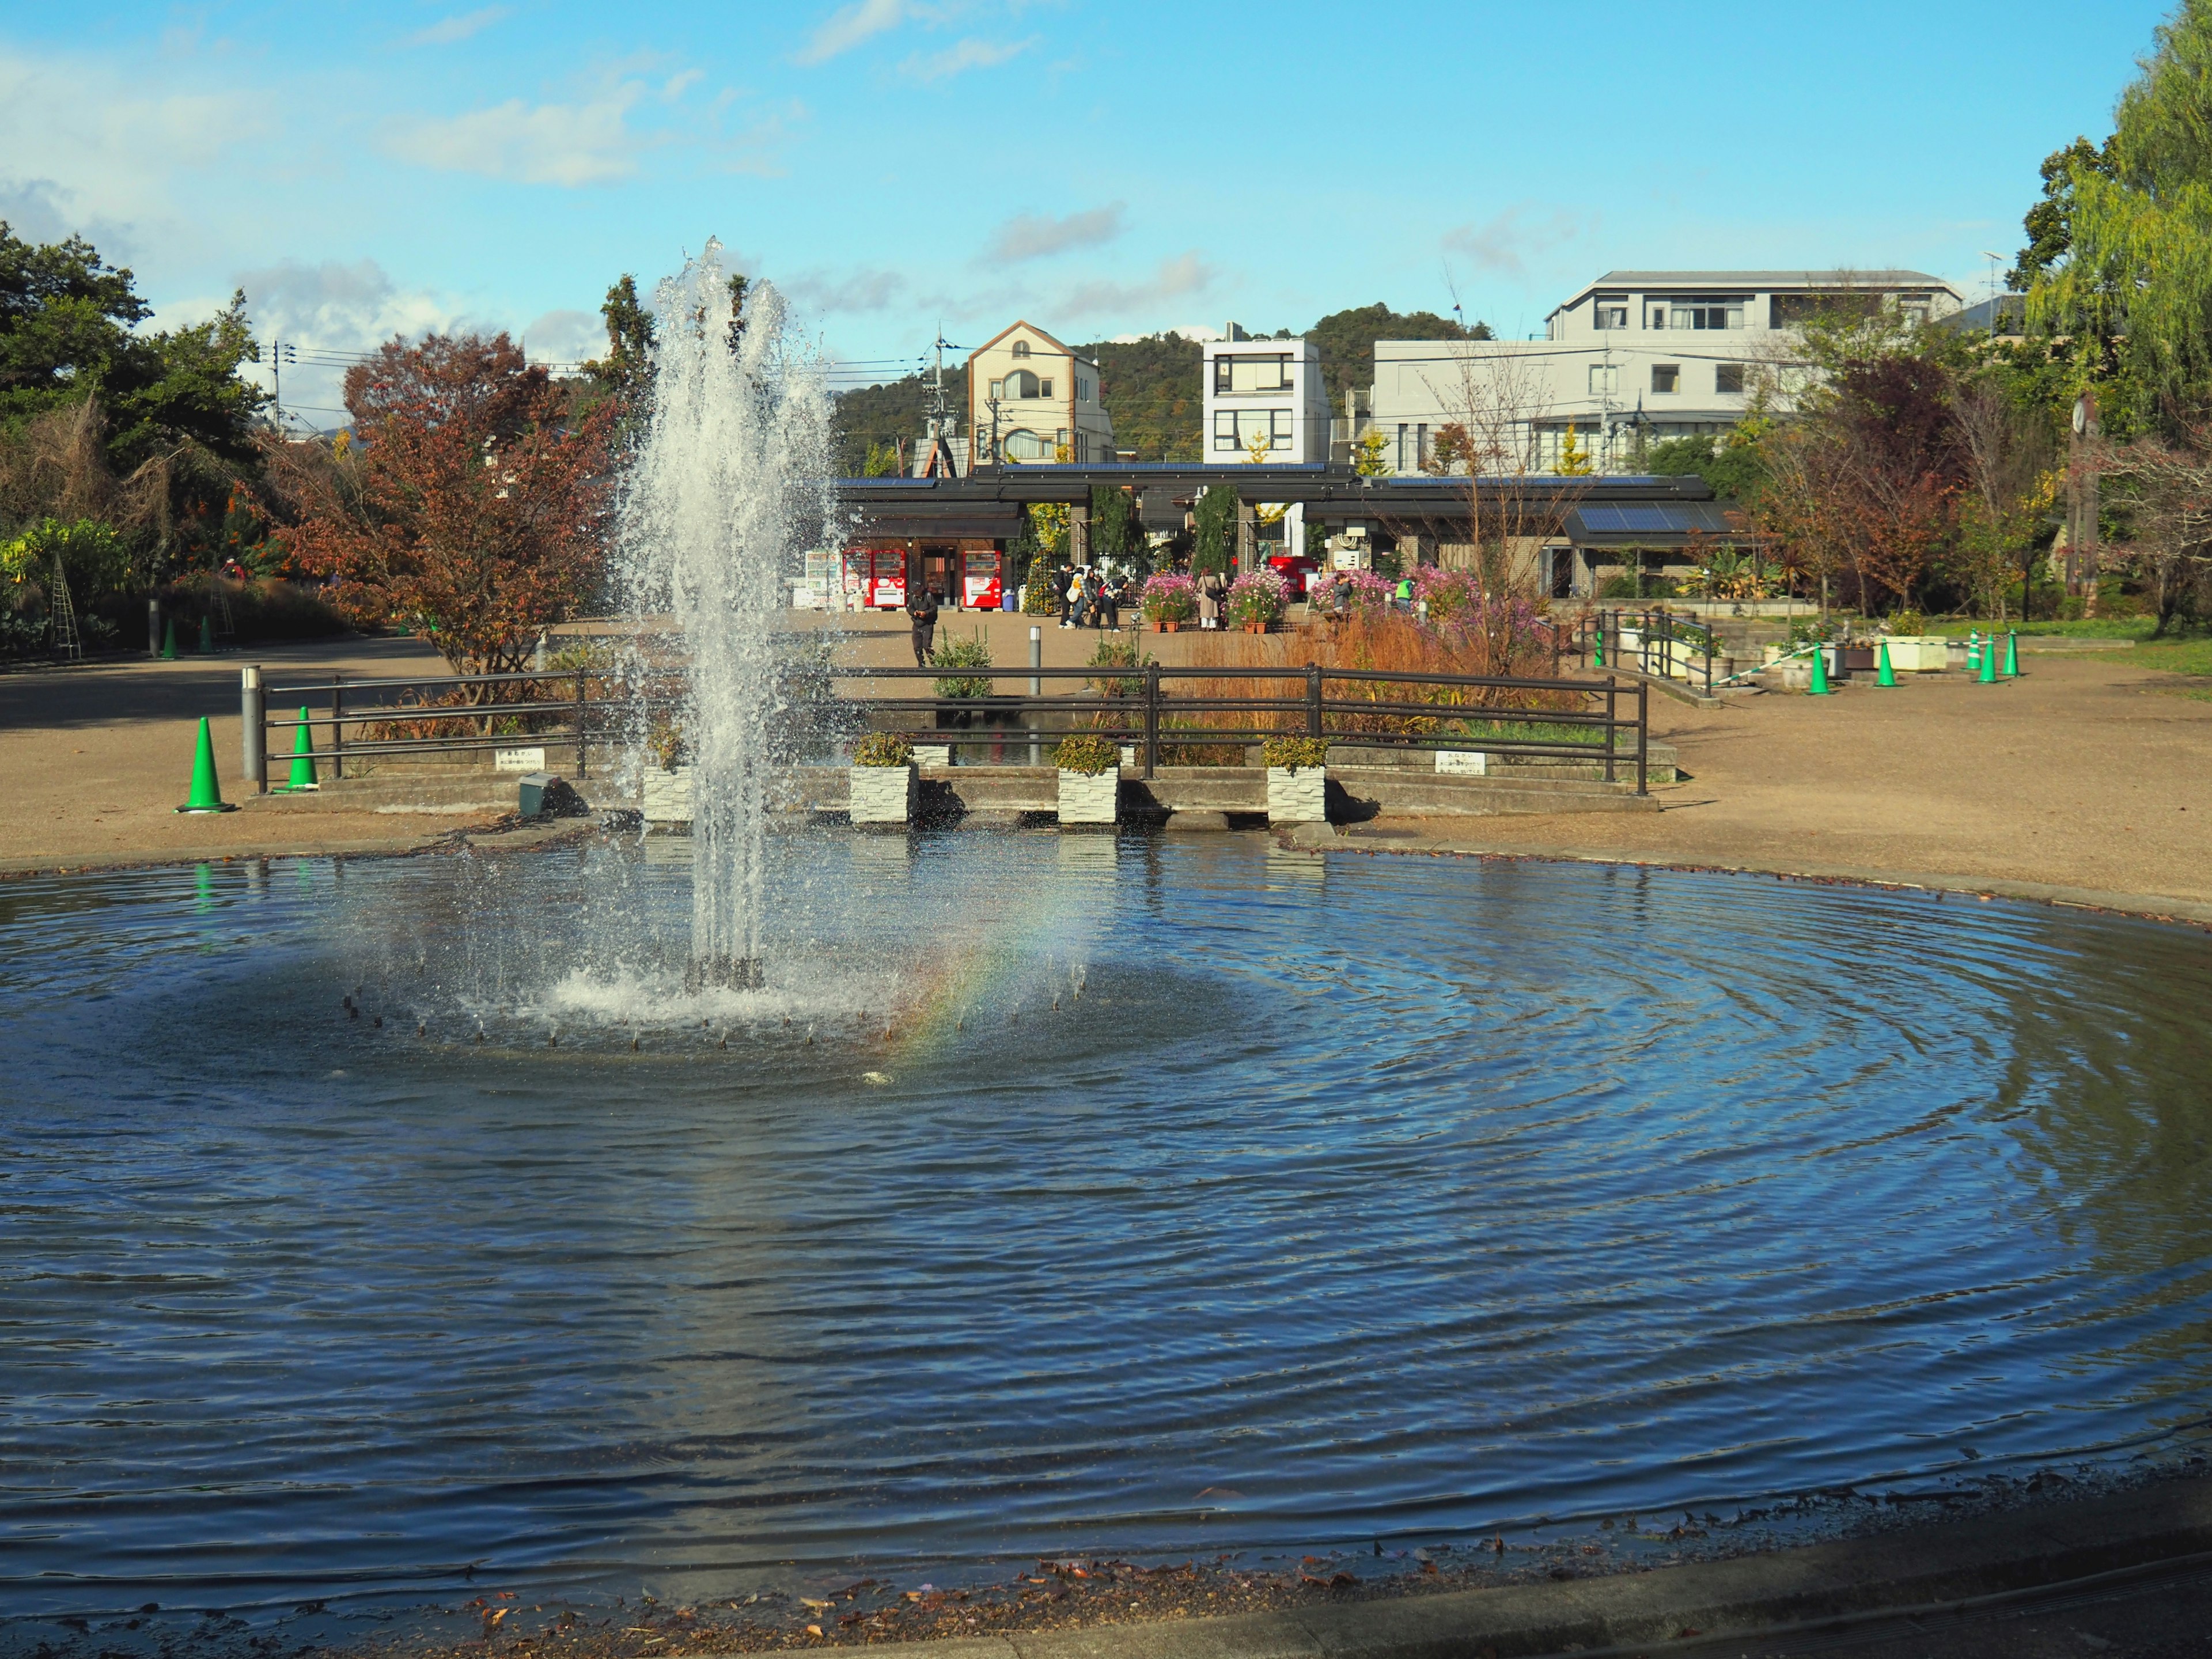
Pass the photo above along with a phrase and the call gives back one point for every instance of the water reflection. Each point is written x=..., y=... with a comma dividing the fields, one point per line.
x=1335, y=1199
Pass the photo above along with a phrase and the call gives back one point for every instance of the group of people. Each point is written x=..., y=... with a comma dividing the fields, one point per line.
x=1087, y=597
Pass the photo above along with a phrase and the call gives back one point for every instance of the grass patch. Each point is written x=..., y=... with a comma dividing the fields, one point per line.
x=2096, y=628
x=2189, y=657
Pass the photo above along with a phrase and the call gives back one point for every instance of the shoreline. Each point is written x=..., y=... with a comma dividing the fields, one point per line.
x=2013, y=1547
x=2143, y=906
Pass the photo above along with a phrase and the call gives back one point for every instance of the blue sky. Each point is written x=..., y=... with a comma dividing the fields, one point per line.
x=1101, y=169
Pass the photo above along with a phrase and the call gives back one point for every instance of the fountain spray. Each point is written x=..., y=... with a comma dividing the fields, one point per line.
x=727, y=487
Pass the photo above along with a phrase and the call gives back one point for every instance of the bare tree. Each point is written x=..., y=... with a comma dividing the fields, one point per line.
x=2172, y=549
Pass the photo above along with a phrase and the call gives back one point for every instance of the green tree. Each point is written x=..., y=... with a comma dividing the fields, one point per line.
x=2120, y=252
x=1213, y=544
x=627, y=369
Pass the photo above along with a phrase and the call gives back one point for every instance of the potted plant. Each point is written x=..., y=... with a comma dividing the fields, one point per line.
x=1255, y=600
x=1297, y=780
x=1089, y=779
x=881, y=779
x=1169, y=601
x=668, y=779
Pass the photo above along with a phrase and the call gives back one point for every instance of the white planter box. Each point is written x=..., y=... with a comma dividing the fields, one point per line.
x=1916, y=654
x=1471, y=762
x=1086, y=799
x=667, y=795
x=933, y=754
x=881, y=794
x=1297, y=796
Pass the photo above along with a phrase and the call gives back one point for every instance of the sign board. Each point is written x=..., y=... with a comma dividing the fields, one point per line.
x=517, y=760
x=1471, y=762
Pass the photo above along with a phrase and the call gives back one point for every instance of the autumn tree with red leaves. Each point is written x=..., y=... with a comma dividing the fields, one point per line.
x=469, y=504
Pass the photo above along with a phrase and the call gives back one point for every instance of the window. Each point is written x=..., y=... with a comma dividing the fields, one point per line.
x=1698, y=311
x=1611, y=314
x=1234, y=429
x=1044, y=388
x=1604, y=379
x=1729, y=378
x=1666, y=377
x=1021, y=347
x=997, y=388
x=1022, y=384
x=1251, y=373
x=1024, y=445
x=1082, y=390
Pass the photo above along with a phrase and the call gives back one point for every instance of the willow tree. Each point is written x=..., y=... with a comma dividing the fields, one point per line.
x=2122, y=251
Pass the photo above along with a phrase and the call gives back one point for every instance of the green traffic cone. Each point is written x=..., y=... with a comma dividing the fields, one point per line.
x=1599, y=660
x=207, y=636
x=169, y=639
x=1888, y=675
x=2012, y=655
x=1989, y=669
x=1820, y=687
x=303, y=761
x=207, y=795
x=1973, y=651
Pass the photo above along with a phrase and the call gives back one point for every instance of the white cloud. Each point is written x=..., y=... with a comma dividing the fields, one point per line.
x=341, y=307
x=851, y=26
x=566, y=336
x=965, y=55
x=1037, y=236
x=1177, y=278
x=448, y=30
x=42, y=210
x=1505, y=242
x=864, y=290
x=111, y=149
x=569, y=144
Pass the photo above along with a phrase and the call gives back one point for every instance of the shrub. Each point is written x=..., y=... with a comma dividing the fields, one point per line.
x=1256, y=596
x=1448, y=593
x=1118, y=654
x=963, y=653
x=883, y=748
x=1087, y=754
x=1170, y=599
x=1908, y=622
x=1294, y=752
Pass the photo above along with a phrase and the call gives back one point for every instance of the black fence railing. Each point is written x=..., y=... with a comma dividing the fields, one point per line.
x=1167, y=715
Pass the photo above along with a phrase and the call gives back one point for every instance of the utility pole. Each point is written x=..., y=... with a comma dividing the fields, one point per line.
x=2081, y=557
x=942, y=427
x=279, y=355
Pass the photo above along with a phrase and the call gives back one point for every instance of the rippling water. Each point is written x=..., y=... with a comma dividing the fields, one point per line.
x=1364, y=1199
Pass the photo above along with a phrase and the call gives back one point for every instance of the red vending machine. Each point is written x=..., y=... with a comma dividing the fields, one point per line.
x=980, y=585
x=875, y=578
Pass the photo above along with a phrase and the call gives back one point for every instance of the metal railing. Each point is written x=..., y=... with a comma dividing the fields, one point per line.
x=1656, y=643
x=1602, y=721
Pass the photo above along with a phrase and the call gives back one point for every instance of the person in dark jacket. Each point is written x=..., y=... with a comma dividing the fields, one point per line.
x=921, y=612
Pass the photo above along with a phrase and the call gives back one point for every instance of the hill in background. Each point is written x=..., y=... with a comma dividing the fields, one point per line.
x=1150, y=386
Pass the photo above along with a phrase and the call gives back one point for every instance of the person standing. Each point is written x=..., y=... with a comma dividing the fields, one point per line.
x=1078, y=598
x=922, y=612
x=1060, y=593
x=1109, y=596
x=1211, y=589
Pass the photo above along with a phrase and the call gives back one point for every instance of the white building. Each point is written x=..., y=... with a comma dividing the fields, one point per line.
x=1636, y=358
x=1029, y=397
x=1264, y=397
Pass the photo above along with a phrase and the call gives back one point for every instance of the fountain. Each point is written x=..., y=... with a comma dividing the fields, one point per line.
x=728, y=483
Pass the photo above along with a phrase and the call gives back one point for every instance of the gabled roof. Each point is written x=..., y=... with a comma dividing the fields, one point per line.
x=1649, y=281
x=1019, y=323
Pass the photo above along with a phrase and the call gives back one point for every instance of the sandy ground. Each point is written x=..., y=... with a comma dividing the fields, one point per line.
x=96, y=757
x=2087, y=774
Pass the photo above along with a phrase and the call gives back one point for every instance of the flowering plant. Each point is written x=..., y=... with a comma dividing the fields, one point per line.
x=1170, y=599
x=883, y=748
x=1341, y=592
x=1087, y=753
x=1449, y=593
x=1255, y=597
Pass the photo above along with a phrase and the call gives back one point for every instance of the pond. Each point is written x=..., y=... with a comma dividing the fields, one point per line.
x=1058, y=1194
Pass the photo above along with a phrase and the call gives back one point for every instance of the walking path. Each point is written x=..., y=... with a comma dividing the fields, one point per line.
x=2087, y=780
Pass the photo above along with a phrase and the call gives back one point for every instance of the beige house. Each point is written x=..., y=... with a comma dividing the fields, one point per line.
x=1029, y=395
